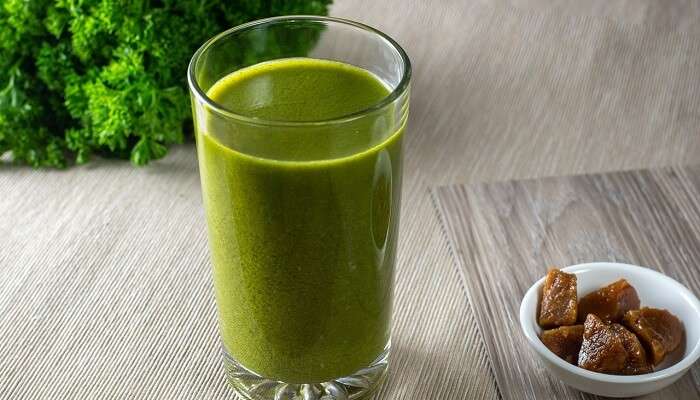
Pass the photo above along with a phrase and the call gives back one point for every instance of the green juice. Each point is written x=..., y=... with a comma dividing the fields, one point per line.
x=302, y=222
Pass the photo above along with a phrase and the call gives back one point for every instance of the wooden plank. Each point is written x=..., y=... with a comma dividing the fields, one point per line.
x=504, y=236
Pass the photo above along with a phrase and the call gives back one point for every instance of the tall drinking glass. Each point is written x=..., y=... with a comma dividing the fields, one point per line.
x=299, y=123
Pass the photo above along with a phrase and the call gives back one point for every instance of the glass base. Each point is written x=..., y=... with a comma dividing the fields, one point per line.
x=359, y=385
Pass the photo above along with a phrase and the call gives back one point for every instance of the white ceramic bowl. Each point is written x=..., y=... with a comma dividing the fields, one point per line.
x=654, y=290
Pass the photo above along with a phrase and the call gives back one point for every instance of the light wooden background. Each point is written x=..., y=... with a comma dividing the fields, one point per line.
x=104, y=281
x=505, y=235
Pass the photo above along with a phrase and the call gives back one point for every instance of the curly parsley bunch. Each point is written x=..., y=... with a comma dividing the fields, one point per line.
x=80, y=77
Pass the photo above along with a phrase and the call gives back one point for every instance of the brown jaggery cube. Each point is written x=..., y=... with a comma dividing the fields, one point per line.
x=564, y=341
x=602, y=349
x=609, y=303
x=660, y=331
x=558, y=305
x=636, y=362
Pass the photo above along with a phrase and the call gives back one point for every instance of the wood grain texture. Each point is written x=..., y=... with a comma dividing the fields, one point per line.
x=504, y=236
x=124, y=309
x=680, y=15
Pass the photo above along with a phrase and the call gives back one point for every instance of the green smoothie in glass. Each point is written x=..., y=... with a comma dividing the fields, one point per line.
x=303, y=251
x=299, y=122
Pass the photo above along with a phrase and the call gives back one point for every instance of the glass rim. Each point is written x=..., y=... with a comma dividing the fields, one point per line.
x=395, y=93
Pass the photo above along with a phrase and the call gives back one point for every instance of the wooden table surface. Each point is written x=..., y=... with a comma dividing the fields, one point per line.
x=505, y=235
x=501, y=90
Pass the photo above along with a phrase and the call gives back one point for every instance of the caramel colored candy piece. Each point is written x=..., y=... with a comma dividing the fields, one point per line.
x=602, y=350
x=636, y=362
x=558, y=305
x=659, y=330
x=564, y=341
x=609, y=303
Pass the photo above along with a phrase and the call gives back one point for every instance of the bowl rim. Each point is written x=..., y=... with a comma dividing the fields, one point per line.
x=526, y=324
